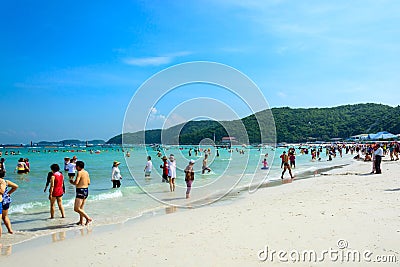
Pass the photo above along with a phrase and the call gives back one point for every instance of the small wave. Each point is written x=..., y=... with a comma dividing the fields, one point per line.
x=110, y=195
x=25, y=207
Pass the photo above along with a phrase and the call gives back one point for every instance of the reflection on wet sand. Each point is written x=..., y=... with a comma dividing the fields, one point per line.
x=60, y=236
x=170, y=209
x=6, y=250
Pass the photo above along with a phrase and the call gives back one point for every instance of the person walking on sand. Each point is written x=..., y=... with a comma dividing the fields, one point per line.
x=205, y=168
x=286, y=166
x=116, y=175
x=189, y=177
x=56, y=191
x=284, y=158
x=148, y=167
x=82, y=182
x=172, y=172
x=6, y=201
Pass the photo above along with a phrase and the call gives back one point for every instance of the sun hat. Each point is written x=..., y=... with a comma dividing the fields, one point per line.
x=191, y=161
x=116, y=162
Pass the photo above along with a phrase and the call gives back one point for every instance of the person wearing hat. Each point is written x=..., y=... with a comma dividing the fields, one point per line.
x=172, y=172
x=189, y=177
x=116, y=175
x=165, y=169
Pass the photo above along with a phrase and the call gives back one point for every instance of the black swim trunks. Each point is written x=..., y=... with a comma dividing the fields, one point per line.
x=82, y=193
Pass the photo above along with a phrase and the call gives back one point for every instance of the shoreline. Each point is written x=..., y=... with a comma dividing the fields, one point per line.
x=73, y=231
x=347, y=204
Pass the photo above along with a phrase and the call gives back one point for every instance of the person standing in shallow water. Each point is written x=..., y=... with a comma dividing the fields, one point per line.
x=204, y=167
x=165, y=169
x=148, y=167
x=116, y=175
x=172, y=172
x=56, y=191
x=189, y=177
x=82, y=182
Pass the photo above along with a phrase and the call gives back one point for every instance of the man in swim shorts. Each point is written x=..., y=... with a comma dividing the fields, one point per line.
x=82, y=182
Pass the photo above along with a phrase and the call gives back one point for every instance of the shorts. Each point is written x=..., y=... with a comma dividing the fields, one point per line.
x=71, y=174
x=286, y=164
x=21, y=171
x=1, y=209
x=82, y=193
x=147, y=173
x=165, y=178
x=5, y=206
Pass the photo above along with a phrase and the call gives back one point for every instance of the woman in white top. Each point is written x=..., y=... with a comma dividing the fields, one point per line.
x=116, y=175
x=172, y=172
x=148, y=167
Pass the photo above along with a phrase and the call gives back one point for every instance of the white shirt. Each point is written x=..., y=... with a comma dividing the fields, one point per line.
x=71, y=167
x=172, y=169
x=116, y=174
x=379, y=152
x=149, y=166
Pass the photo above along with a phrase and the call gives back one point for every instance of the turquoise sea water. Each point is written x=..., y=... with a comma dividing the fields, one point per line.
x=231, y=171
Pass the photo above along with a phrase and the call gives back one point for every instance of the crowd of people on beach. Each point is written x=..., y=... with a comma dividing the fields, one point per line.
x=80, y=178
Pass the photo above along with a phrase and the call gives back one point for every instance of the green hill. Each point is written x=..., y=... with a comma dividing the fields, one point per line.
x=292, y=125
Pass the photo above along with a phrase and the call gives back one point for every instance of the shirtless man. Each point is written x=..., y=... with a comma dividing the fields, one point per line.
x=82, y=182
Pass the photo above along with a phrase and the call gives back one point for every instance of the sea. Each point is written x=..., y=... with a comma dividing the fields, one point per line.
x=235, y=173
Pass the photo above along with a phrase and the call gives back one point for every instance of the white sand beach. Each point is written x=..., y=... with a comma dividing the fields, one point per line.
x=349, y=205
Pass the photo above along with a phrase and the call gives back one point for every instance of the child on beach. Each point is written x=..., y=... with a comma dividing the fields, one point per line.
x=189, y=177
x=82, y=182
x=265, y=164
x=56, y=191
x=6, y=201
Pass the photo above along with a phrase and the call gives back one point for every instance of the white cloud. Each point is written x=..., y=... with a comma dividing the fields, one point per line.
x=148, y=61
x=155, y=61
x=281, y=94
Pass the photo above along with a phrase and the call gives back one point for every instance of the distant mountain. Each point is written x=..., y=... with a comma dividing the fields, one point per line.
x=292, y=125
x=70, y=142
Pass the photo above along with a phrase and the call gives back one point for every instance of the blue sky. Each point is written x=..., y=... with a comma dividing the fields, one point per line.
x=70, y=68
